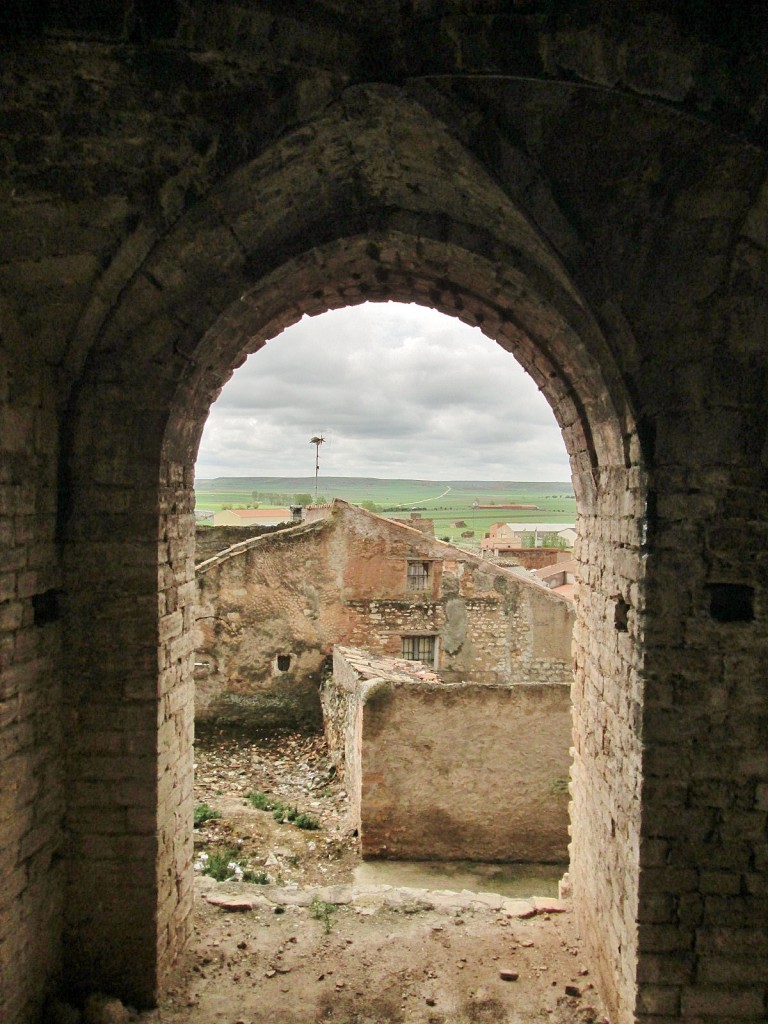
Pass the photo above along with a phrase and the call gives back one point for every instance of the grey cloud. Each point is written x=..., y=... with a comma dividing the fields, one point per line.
x=399, y=391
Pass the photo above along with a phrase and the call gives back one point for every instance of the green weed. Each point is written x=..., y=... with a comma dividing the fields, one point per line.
x=307, y=821
x=203, y=813
x=218, y=865
x=283, y=812
x=256, y=877
x=261, y=801
x=322, y=911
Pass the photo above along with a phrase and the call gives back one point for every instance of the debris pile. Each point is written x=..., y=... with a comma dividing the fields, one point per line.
x=242, y=781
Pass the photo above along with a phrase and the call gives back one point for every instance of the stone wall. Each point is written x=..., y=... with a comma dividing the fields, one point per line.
x=440, y=771
x=343, y=580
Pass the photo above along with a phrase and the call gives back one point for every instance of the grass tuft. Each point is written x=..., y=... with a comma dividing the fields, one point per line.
x=283, y=812
x=322, y=911
x=203, y=813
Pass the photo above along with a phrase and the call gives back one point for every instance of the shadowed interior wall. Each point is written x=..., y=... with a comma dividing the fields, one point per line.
x=586, y=183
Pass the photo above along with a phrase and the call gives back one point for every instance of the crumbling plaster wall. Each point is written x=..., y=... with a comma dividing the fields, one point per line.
x=324, y=154
x=343, y=580
x=441, y=771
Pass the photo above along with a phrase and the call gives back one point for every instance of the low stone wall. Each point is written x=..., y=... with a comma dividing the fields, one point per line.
x=210, y=540
x=449, y=771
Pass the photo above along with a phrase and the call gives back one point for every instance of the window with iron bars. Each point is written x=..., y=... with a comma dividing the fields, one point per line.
x=418, y=575
x=418, y=648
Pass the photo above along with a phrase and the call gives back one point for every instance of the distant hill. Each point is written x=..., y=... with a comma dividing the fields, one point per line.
x=462, y=510
x=356, y=488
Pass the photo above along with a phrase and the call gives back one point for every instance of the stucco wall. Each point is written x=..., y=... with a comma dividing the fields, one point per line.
x=450, y=771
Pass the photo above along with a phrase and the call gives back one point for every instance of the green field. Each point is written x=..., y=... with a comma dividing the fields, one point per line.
x=447, y=502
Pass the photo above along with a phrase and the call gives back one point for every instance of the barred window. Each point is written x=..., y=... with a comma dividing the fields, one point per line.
x=418, y=575
x=418, y=648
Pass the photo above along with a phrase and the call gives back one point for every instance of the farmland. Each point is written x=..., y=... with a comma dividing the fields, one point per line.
x=446, y=502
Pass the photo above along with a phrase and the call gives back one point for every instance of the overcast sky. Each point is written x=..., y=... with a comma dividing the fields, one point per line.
x=397, y=390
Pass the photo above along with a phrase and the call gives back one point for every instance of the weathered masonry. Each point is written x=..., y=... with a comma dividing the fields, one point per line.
x=441, y=771
x=271, y=609
x=588, y=184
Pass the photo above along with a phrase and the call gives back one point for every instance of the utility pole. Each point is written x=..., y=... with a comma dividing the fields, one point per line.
x=317, y=440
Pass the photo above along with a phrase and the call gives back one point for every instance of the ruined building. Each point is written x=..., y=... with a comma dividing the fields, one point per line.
x=271, y=609
x=585, y=182
x=448, y=771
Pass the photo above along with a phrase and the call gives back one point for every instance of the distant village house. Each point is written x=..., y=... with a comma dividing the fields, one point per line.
x=252, y=516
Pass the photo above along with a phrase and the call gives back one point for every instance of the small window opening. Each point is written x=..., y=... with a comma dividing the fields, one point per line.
x=418, y=648
x=283, y=662
x=731, y=602
x=45, y=607
x=621, y=615
x=418, y=575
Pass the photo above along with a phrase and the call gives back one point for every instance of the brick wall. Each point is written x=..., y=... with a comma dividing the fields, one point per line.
x=31, y=728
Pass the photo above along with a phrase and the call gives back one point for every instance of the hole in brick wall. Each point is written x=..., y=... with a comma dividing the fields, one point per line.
x=621, y=615
x=46, y=608
x=283, y=662
x=731, y=602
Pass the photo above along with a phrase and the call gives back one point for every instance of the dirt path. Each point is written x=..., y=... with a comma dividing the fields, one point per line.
x=304, y=948
x=406, y=957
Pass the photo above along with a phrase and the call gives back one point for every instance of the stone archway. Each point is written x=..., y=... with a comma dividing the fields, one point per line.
x=275, y=241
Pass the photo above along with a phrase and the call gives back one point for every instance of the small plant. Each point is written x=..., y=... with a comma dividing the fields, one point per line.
x=307, y=821
x=283, y=812
x=203, y=813
x=261, y=801
x=256, y=877
x=322, y=911
x=560, y=786
x=220, y=865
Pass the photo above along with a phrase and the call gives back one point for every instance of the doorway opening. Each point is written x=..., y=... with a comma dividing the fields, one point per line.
x=397, y=390
x=555, y=338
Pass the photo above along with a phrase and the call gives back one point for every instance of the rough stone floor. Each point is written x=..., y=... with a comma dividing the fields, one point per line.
x=377, y=955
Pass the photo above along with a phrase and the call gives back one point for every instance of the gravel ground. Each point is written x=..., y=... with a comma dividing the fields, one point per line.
x=287, y=768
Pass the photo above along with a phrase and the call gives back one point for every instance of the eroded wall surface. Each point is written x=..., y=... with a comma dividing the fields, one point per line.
x=32, y=724
x=441, y=771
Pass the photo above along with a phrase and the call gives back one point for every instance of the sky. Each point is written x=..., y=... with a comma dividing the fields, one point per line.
x=398, y=391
